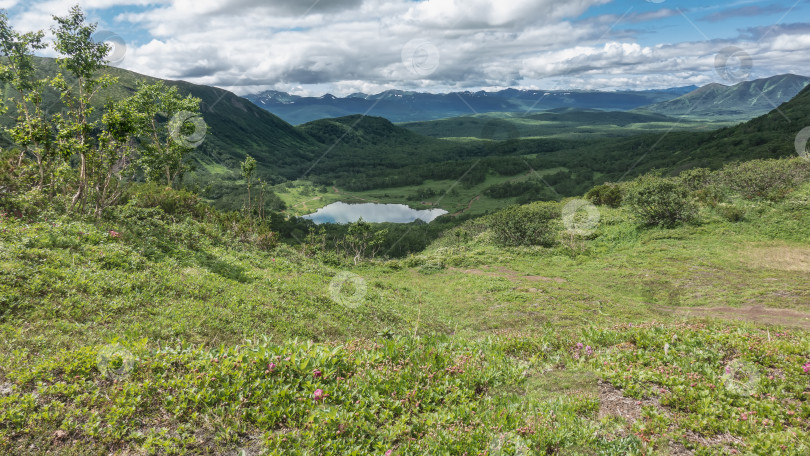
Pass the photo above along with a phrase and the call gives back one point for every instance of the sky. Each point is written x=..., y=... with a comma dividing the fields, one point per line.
x=313, y=47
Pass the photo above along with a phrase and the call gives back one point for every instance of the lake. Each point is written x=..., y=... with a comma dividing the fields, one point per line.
x=343, y=213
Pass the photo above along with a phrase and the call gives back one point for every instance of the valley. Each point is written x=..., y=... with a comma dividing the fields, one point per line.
x=450, y=266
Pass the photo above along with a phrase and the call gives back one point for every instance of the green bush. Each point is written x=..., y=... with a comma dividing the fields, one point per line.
x=173, y=202
x=661, y=201
x=767, y=179
x=606, y=195
x=533, y=224
x=697, y=178
x=267, y=240
x=731, y=213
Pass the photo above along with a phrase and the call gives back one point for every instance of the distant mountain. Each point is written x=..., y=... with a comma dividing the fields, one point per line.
x=743, y=101
x=403, y=106
x=676, y=90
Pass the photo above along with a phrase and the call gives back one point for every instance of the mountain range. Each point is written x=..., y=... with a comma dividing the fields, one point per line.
x=742, y=101
x=739, y=102
x=402, y=106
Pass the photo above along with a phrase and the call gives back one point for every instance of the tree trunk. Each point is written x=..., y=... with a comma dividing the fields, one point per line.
x=80, y=193
x=249, y=207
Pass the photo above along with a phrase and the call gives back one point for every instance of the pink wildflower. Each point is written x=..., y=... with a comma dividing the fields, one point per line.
x=806, y=368
x=318, y=395
x=589, y=350
x=388, y=453
x=115, y=234
x=271, y=367
x=316, y=373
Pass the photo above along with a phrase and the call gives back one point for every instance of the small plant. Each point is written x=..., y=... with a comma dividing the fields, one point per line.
x=731, y=213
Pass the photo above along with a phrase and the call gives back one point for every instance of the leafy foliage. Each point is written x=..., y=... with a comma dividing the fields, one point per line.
x=610, y=195
x=105, y=146
x=534, y=224
x=660, y=201
x=767, y=179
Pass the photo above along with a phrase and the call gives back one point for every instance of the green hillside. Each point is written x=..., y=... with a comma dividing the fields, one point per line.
x=562, y=123
x=741, y=101
x=180, y=332
x=769, y=136
x=476, y=177
x=236, y=127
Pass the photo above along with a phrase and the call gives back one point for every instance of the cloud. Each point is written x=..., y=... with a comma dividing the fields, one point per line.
x=486, y=13
x=345, y=46
x=744, y=11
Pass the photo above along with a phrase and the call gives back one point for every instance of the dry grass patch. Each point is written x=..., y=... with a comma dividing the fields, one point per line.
x=783, y=258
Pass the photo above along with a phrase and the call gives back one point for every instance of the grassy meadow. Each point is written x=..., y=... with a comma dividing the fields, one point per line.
x=163, y=332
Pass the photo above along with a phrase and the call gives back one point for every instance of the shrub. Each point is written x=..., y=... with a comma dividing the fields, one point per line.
x=610, y=195
x=534, y=224
x=656, y=200
x=768, y=179
x=173, y=202
x=731, y=213
x=696, y=179
x=267, y=240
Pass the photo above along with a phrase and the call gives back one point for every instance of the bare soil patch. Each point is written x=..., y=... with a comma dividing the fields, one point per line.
x=613, y=403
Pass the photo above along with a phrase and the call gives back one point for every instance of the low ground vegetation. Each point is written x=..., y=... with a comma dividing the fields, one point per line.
x=162, y=327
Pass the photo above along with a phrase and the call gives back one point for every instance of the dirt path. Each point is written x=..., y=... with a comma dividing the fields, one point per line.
x=469, y=206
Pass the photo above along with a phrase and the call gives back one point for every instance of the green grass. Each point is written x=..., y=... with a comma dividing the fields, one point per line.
x=150, y=333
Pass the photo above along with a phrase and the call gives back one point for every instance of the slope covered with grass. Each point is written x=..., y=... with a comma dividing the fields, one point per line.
x=172, y=329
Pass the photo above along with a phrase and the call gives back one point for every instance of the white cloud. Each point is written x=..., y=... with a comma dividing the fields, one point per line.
x=346, y=46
